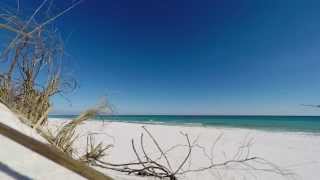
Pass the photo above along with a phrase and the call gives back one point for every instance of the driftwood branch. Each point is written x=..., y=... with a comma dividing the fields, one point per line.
x=147, y=165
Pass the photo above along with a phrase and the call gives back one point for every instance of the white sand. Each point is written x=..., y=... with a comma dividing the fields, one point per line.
x=295, y=151
x=298, y=152
x=17, y=162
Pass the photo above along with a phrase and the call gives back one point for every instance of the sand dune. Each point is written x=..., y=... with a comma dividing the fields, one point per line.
x=18, y=162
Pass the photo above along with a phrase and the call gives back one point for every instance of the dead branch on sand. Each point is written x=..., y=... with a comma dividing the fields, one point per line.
x=160, y=166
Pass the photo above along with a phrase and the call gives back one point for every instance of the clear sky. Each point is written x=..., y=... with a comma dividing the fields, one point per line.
x=194, y=56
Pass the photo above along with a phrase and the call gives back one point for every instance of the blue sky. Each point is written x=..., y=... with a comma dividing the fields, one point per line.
x=193, y=56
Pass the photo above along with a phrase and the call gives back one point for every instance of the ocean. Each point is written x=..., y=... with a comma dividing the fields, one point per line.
x=270, y=123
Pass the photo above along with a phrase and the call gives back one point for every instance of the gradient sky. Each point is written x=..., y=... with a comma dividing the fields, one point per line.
x=193, y=56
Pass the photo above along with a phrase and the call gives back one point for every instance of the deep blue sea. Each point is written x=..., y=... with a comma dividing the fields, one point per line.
x=273, y=123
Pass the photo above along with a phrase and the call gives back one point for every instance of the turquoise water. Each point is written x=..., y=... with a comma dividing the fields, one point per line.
x=275, y=123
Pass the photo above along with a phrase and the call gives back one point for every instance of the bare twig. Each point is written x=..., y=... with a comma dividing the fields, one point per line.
x=150, y=167
x=158, y=146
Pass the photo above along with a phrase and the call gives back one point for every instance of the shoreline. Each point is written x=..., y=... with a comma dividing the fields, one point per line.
x=182, y=124
x=304, y=124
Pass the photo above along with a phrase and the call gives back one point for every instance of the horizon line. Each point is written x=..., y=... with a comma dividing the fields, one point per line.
x=190, y=115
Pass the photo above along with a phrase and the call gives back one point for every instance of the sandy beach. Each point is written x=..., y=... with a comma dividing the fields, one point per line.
x=295, y=153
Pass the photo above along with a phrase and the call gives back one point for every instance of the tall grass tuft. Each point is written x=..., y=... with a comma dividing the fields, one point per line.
x=32, y=72
x=31, y=65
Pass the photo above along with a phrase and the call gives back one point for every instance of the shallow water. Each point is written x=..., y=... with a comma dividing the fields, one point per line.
x=273, y=123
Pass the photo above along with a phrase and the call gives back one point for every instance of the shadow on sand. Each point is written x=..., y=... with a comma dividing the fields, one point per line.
x=12, y=173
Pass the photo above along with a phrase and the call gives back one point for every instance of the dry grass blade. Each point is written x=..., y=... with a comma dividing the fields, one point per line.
x=66, y=136
x=94, y=152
